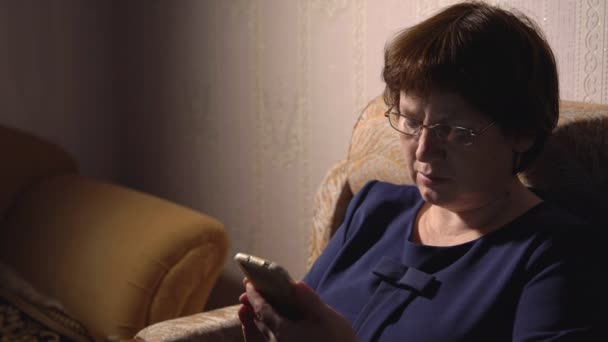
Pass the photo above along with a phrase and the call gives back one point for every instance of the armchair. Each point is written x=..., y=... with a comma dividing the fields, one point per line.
x=87, y=259
x=571, y=171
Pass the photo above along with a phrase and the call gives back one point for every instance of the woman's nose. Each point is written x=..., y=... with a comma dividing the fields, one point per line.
x=429, y=146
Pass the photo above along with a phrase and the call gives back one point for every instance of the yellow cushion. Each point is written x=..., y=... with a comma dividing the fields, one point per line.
x=117, y=259
x=25, y=160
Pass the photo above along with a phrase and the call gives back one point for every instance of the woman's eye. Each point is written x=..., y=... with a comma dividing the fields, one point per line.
x=443, y=131
x=460, y=133
x=411, y=123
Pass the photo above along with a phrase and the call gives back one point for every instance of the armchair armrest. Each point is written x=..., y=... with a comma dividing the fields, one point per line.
x=329, y=208
x=223, y=325
x=220, y=325
x=117, y=259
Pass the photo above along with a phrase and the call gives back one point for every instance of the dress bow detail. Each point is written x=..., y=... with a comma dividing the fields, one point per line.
x=403, y=276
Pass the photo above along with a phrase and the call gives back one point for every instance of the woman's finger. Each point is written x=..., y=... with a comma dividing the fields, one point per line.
x=250, y=330
x=264, y=312
x=243, y=299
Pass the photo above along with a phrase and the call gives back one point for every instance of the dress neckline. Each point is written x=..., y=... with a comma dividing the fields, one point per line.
x=506, y=228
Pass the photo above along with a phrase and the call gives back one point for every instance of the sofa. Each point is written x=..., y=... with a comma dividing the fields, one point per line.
x=83, y=259
x=572, y=171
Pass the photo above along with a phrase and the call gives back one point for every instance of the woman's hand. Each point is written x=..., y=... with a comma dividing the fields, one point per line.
x=319, y=322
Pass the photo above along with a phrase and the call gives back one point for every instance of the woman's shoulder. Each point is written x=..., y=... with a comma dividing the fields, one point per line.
x=558, y=256
x=558, y=235
x=379, y=202
x=383, y=192
x=544, y=235
x=553, y=221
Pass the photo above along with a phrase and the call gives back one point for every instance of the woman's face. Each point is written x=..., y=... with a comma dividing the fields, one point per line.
x=449, y=174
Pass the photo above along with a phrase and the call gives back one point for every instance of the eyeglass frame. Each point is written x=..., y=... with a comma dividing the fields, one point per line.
x=473, y=133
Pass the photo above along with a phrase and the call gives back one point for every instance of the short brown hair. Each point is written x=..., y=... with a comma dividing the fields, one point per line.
x=497, y=60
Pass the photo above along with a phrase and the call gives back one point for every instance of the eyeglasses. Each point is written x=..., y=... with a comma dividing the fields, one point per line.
x=445, y=133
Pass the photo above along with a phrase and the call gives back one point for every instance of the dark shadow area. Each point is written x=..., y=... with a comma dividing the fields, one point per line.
x=225, y=293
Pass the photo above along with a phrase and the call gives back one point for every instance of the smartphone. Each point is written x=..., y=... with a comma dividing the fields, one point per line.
x=272, y=281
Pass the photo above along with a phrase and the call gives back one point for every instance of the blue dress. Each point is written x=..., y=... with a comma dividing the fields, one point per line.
x=535, y=279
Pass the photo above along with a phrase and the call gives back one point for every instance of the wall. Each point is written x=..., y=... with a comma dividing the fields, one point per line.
x=54, y=82
x=233, y=107
x=237, y=108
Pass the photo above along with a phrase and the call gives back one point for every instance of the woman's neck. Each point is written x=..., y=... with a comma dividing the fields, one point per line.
x=441, y=226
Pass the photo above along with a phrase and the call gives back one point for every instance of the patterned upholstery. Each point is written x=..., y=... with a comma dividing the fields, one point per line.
x=572, y=170
x=220, y=325
x=374, y=151
x=28, y=315
x=330, y=205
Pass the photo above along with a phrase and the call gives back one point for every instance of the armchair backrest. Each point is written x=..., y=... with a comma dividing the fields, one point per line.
x=25, y=160
x=572, y=170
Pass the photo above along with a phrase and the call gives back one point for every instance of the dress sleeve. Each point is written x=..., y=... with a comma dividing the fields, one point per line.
x=564, y=297
x=336, y=242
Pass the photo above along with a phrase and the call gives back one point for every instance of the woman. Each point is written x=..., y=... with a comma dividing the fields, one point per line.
x=468, y=253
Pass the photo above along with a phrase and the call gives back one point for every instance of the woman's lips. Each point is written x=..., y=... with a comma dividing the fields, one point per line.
x=429, y=179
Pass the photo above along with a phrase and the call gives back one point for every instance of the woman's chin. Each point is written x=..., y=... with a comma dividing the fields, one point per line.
x=434, y=195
